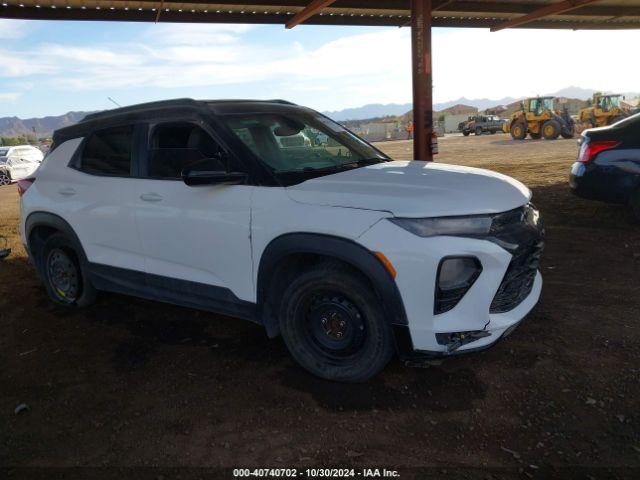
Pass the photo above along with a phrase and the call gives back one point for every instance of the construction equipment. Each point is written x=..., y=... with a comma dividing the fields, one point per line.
x=604, y=110
x=538, y=118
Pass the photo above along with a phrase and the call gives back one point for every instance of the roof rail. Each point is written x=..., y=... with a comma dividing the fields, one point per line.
x=284, y=102
x=141, y=106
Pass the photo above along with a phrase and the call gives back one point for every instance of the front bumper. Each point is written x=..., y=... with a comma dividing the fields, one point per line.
x=416, y=261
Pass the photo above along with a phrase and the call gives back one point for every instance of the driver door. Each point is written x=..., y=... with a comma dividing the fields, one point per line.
x=196, y=240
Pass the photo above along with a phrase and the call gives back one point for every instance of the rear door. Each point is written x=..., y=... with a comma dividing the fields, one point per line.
x=94, y=194
x=196, y=240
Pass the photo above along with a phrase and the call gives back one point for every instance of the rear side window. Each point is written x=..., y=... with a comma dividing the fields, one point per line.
x=108, y=152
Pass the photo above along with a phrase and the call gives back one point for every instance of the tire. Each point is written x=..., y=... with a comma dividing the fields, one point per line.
x=634, y=203
x=5, y=178
x=466, y=133
x=550, y=130
x=479, y=131
x=333, y=324
x=64, y=278
x=568, y=131
x=535, y=136
x=518, y=131
x=493, y=132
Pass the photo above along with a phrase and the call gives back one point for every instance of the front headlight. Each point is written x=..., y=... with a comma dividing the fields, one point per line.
x=477, y=225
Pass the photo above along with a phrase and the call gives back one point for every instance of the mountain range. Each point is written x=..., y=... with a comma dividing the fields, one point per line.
x=44, y=127
x=40, y=127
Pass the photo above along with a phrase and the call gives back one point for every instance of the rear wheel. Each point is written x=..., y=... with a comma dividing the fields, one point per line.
x=5, y=179
x=466, y=133
x=518, y=131
x=64, y=278
x=334, y=326
x=550, y=130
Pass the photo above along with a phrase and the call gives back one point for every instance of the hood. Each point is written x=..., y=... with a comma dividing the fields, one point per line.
x=415, y=189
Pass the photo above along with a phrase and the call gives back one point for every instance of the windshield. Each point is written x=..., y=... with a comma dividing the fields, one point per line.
x=607, y=103
x=301, y=143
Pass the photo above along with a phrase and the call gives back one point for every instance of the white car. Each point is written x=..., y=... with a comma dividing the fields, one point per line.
x=18, y=162
x=350, y=256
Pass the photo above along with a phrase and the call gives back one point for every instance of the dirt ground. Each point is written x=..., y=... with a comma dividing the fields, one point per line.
x=133, y=383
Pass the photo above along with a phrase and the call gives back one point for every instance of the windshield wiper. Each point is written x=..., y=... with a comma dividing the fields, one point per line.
x=336, y=168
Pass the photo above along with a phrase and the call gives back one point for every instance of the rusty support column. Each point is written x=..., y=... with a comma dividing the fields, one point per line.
x=422, y=83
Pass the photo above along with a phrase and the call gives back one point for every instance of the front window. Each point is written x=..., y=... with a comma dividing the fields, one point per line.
x=179, y=146
x=298, y=145
x=608, y=103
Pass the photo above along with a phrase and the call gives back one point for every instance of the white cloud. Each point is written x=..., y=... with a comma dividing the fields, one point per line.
x=24, y=63
x=9, y=96
x=372, y=67
x=477, y=63
x=194, y=34
x=13, y=29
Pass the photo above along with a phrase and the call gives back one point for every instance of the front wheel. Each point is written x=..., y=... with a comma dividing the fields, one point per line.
x=5, y=179
x=518, y=131
x=550, y=130
x=334, y=326
x=466, y=133
x=479, y=131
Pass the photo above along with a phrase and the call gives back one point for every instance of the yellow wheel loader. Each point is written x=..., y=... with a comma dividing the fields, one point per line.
x=537, y=118
x=604, y=110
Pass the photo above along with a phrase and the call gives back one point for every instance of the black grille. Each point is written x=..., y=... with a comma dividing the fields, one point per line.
x=521, y=232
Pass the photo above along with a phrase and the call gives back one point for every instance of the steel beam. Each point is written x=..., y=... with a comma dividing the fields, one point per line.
x=554, y=9
x=309, y=11
x=422, y=81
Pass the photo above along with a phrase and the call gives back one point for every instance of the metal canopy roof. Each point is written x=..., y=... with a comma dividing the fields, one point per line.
x=568, y=14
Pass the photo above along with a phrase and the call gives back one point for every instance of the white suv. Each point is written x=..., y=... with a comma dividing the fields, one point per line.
x=348, y=255
x=18, y=162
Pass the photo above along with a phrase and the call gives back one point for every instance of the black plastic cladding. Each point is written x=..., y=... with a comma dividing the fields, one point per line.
x=521, y=232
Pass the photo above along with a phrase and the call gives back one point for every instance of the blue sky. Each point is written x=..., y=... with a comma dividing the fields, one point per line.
x=49, y=68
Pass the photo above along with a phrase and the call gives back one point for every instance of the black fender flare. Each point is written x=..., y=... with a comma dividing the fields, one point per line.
x=339, y=248
x=51, y=220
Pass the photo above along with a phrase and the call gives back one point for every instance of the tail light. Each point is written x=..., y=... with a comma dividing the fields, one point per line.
x=23, y=185
x=589, y=149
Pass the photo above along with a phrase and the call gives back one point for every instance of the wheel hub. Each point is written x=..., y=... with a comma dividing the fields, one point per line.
x=335, y=324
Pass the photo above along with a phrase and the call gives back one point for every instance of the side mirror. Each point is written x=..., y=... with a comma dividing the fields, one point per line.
x=218, y=177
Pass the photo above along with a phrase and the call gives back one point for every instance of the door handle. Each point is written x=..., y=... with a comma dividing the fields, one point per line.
x=67, y=191
x=151, y=197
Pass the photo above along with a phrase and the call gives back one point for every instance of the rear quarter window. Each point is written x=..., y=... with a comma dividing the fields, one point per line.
x=108, y=152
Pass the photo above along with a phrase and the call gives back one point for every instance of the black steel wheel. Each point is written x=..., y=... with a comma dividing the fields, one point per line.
x=334, y=326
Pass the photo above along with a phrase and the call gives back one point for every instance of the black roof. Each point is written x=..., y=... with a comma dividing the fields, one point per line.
x=142, y=111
